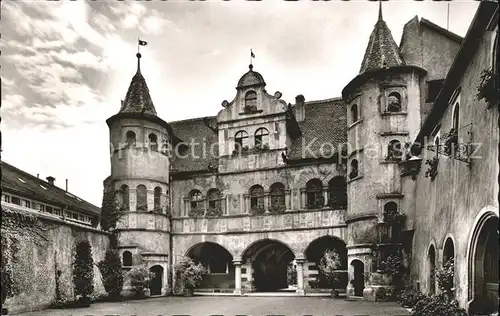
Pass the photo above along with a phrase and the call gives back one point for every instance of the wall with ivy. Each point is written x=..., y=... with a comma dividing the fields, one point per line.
x=38, y=253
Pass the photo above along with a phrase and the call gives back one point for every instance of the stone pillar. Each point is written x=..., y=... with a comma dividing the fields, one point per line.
x=303, y=200
x=325, y=196
x=287, y=199
x=300, y=275
x=237, y=277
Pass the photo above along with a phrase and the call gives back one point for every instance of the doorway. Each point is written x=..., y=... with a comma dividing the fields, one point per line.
x=156, y=280
x=359, y=277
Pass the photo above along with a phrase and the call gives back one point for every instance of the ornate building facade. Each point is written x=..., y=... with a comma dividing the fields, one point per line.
x=267, y=184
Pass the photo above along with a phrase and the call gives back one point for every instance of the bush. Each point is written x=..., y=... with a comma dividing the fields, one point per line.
x=409, y=297
x=111, y=271
x=291, y=274
x=83, y=270
x=440, y=305
x=328, y=266
x=140, y=277
x=189, y=273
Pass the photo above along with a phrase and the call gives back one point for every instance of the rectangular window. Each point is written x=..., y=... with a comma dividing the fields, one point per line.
x=40, y=207
x=75, y=216
x=26, y=203
x=6, y=198
x=81, y=218
x=433, y=89
x=49, y=209
x=16, y=200
x=57, y=211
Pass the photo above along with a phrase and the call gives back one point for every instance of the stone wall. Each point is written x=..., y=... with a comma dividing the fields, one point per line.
x=448, y=206
x=36, y=264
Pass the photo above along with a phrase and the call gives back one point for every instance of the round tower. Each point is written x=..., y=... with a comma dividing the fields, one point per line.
x=383, y=111
x=140, y=179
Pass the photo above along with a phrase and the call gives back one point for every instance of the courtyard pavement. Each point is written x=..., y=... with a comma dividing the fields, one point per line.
x=234, y=306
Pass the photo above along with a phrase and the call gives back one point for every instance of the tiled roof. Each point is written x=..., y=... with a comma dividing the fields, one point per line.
x=31, y=187
x=251, y=78
x=196, y=131
x=324, y=124
x=138, y=99
x=382, y=51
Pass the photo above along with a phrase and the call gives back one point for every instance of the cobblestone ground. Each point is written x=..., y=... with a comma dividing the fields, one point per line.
x=233, y=306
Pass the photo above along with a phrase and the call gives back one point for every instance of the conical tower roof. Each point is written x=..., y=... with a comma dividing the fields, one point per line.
x=138, y=99
x=382, y=51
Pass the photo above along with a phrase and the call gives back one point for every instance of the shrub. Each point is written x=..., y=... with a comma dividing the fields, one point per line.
x=189, y=273
x=140, y=278
x=445, y=278
x=83, y=269
x=409, y=297
x=440, y=305
x=328, y=266
x=111, y=271
x=291, y=274
x=394, y=267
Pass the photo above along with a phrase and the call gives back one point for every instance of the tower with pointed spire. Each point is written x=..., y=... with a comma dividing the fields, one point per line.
x=140, y=176
x=383, y=114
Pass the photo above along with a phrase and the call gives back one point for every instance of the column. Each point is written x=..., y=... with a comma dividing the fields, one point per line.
x=325, y=196
x=287, y=199
x=300, y=275
x=303, y=200
x=237, y=277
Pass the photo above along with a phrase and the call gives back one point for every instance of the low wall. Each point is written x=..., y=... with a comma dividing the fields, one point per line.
x=41, y=264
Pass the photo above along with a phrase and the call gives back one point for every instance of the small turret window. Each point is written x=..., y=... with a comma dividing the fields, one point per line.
x=125, y=197
x=394, y=102
x=142, y=198
x=354, y=169
x=250, y=101
x=394, y=151
x=261, y=138
x=354, y=113
x=240, y=140
x=130, y=138
x=153, y=141
x=157, y=199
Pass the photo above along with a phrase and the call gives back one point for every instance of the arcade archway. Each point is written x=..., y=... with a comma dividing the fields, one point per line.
x=219, y=264
x=269, y=260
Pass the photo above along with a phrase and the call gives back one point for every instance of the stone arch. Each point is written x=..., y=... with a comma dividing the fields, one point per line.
x=269, y=260
x=313, y=254
x=358, y=280
x=214, y=257
x=482, y=253
x=448, y=248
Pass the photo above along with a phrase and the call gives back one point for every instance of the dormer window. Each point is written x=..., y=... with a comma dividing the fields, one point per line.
x=394, y=102
x=250, y=101
x=261, y=138
x=240, y=140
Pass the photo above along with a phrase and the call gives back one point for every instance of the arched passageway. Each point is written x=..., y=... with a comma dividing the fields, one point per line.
x=358, y=281
x=483, y=267
x=315, y=252
x=269, y=261
x=218, y=262
x=156, y=280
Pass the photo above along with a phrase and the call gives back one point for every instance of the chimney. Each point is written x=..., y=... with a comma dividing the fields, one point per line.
x=50, y=180
x=38, y=176
x=299, y=100
x=66, y=185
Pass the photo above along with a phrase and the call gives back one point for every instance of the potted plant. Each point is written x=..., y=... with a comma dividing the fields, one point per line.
x=189, y=274
x=83, y=272
x=140, y=278
x=328, y=266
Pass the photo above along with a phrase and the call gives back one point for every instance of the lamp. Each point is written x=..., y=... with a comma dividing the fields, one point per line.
x=414, y=166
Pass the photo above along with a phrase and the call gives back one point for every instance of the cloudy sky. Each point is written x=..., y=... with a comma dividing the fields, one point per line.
x=66, y=65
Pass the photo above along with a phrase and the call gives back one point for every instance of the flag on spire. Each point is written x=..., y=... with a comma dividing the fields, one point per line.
x=143, y=43
x=252, y=54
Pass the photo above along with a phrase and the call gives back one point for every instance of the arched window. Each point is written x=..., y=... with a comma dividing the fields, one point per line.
x=125, y=197
x=448, y=251
x=391, y=217
x=142, y=198
x=261, y=138
x=251, y=101
x=456, y=117
x=314, y=193
x=257, y=197
x=394, y=102
x=127, y=258
x=240, y=140
x=130, y=136
x=196, y=200
x=432, y=270
x=354, y=113
x=394, y=150
x=278, y=197
x=157, y=199
x=354, y=169
x=153, y=141
x=214, y=199
x=337, y=188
